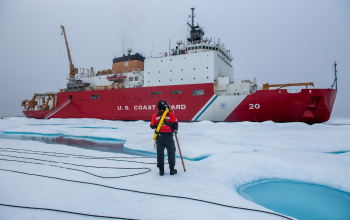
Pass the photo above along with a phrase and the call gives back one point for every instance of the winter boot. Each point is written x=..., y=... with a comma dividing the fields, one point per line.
x=172, y=172
x=161, y=170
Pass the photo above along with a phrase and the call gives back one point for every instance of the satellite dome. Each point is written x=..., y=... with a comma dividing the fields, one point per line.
x=205, y=38
x=178, y=41
x=129, y=50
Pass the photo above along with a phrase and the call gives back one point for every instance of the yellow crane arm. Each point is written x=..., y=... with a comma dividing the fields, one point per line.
x=266, y=86
x=73, y=70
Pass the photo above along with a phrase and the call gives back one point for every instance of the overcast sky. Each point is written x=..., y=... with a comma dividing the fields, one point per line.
x=274, y=41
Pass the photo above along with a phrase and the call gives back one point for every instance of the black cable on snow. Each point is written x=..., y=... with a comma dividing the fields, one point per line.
x=101, y=185
x=69, y=212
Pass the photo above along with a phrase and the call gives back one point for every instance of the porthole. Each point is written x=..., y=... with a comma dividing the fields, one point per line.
x=176, y=92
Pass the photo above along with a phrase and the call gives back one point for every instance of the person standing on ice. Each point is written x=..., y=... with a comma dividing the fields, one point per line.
x=165, y=137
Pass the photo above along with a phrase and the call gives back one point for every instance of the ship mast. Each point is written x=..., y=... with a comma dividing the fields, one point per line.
x=335, y=77
x=72, y=70
x=197, y=32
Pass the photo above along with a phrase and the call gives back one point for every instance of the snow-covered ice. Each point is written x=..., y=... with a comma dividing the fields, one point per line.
x=236, y=154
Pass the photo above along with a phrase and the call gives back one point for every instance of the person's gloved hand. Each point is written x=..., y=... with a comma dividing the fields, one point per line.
x=168, y=123
x=175, y=131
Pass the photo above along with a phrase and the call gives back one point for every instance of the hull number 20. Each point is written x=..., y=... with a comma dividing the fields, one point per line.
x=252, y=106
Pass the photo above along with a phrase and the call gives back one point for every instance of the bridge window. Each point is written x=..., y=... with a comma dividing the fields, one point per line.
x=176, y=92
x=131, y=79
x=200, y=47
x=189, y=48
x=196, y=47
x=198, y=92
x=156, y=93
x=95, y=96
x=136, y=78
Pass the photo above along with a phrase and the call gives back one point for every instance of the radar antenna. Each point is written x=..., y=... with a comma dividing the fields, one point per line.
x=197, y=32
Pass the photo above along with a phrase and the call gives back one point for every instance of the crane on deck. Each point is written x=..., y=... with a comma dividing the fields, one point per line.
x=72, y=70
x=266, y=86
x=30, y=104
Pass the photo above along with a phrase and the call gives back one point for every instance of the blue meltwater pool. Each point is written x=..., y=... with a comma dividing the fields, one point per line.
x=299, y=200
x=91, y=143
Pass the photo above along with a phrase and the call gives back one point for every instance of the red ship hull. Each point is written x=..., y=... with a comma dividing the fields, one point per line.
x=309, y=105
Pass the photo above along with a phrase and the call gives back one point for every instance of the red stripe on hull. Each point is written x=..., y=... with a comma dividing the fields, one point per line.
x=280, y=106
x=36, y=114
x=133, y=103
x=139, y=104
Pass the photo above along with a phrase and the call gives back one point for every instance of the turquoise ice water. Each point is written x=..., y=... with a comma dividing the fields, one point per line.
x=91, y=143
x=299, y=200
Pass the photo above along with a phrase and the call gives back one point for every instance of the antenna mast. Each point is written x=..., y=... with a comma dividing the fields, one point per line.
x=197, y=32
x=335, y=76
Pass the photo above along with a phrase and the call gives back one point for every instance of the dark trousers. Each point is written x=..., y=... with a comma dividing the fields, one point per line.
x=166, y=141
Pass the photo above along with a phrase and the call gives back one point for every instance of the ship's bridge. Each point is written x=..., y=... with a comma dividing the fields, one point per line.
x=199, y=48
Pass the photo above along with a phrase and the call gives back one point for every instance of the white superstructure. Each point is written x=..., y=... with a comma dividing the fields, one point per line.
x=197, y=62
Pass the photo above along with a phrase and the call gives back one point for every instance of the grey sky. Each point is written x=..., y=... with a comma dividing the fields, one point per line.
x=272, y=41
